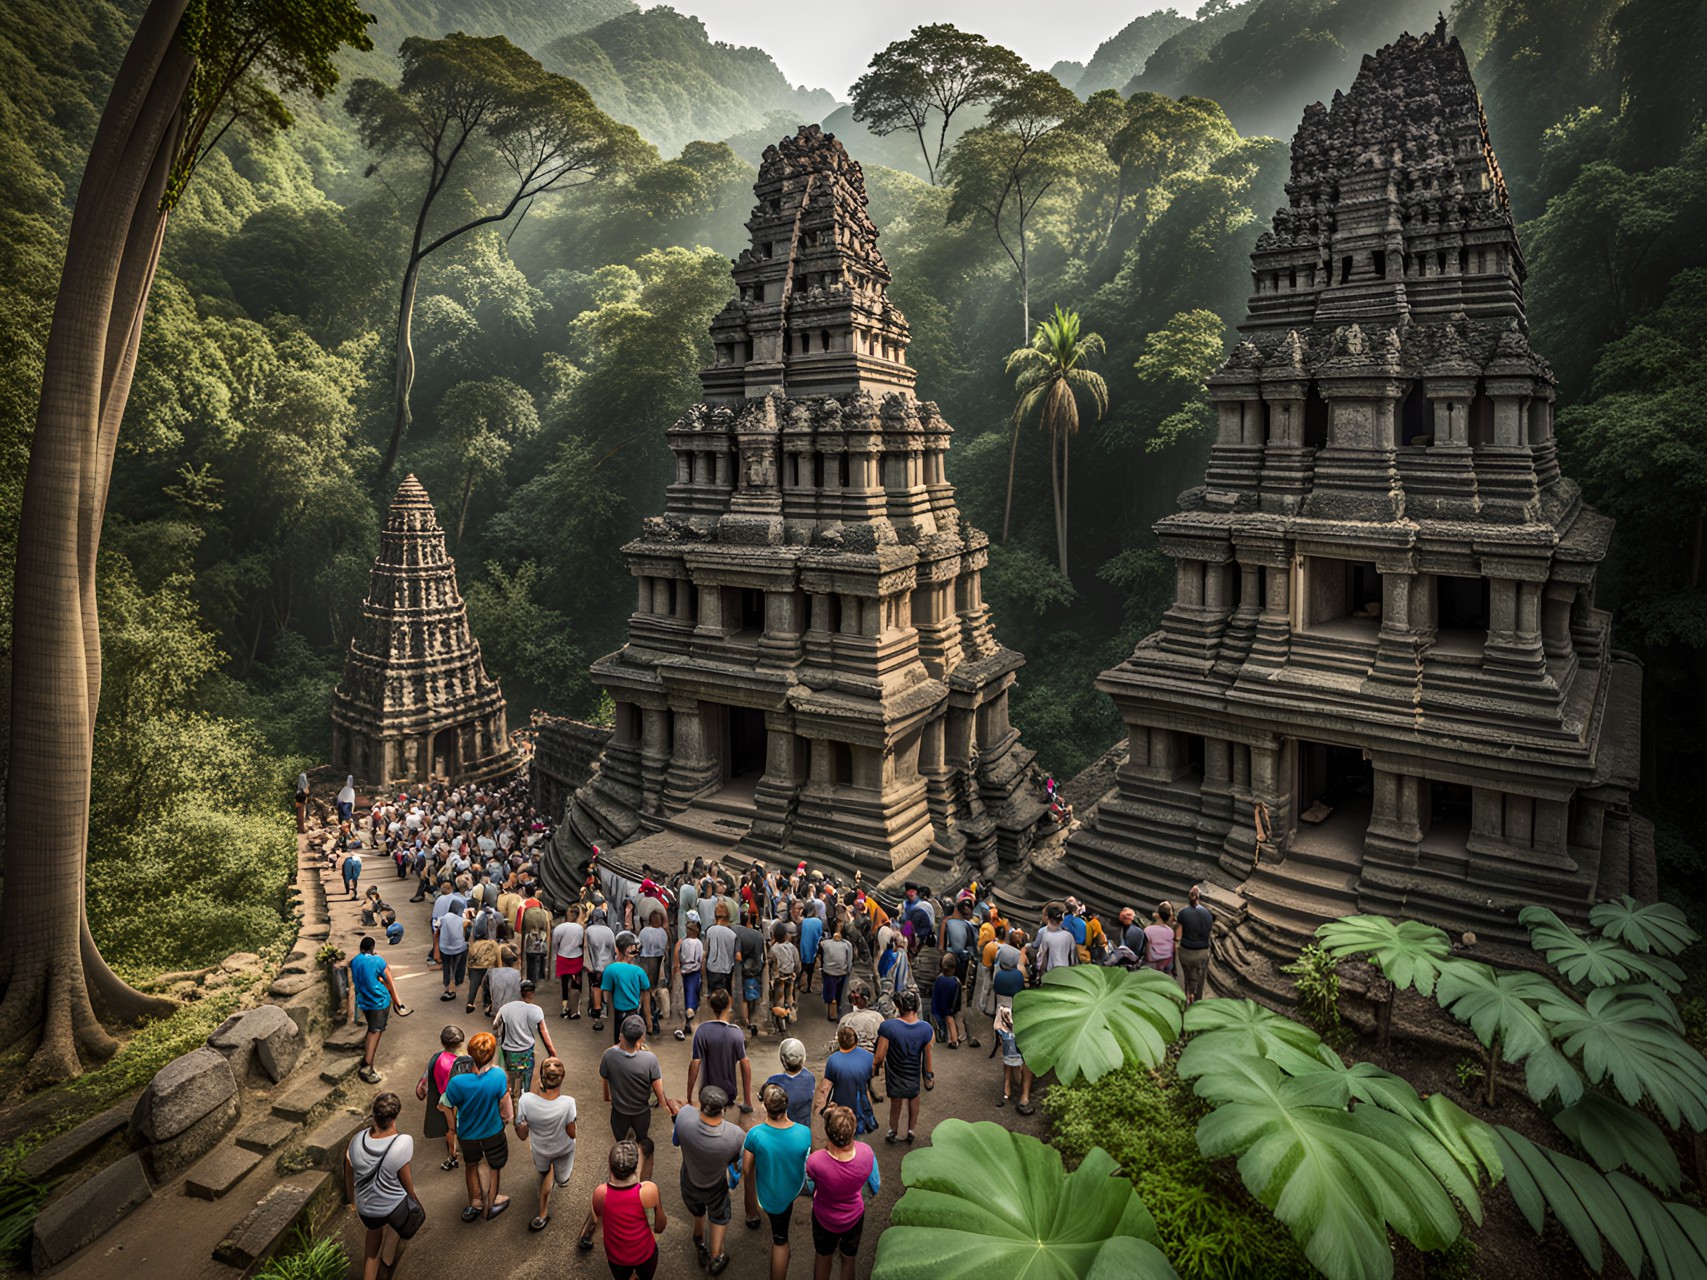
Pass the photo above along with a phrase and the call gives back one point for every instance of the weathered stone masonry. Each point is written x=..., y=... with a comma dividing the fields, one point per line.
x=1385, y=595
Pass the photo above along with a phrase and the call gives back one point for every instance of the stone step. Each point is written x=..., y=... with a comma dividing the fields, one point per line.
x=87, y=1211
x=265, y=1135
x=351, y=1037
x=324, y=1147
x=339, y=1070
x=74, y=1146
x=304, y=1102
x=220, y=1170
x=295, y=1201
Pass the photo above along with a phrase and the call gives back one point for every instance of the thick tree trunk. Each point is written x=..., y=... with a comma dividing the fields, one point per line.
x=1066, y=505
x=49, y=961
x=400, y=418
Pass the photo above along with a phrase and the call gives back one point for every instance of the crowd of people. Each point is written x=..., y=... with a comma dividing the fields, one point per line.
x=715, y=955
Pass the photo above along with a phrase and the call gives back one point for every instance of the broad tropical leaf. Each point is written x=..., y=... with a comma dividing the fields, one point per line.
x=1087, y=1020
x=1617, y=1136
x=1655, y=927
x=1621, y=1037
x=1408, y=952
x=1589, y=1205
x=1508, y=1004
x=1222, y=1027
x=981, y=1202
x=1600, y=962
x=1337, y=1178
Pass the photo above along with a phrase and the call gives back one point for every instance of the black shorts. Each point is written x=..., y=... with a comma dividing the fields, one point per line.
x=779, y=1224
x=493, y=1149
x=376, y=1019
x=710, y=1202
x=640, y=1126
x=826, y=1242
x=594, y=977
x=715, y=981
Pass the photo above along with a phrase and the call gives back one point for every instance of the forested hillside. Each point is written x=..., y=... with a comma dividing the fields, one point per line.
x=554, y=345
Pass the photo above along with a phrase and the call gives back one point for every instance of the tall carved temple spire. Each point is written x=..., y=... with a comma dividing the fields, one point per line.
x=1384, y=643
x=415, y=701
x=811, y=670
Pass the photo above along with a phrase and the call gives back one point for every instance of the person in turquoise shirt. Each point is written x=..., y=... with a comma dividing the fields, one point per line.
x=478, y=1106
x=774, y=1165
x=625, y=980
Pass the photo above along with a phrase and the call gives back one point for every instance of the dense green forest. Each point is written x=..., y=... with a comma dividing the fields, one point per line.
x=553, y=346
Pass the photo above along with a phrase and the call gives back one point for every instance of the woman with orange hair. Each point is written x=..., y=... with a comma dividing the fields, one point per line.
x=478, y=1107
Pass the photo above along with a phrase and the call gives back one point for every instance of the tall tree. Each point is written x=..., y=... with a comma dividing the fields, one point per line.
x=480, y=116
x=1002, y=170
x=936, y=71
x=1053, y=371
x=481, y=422
x=192, y=72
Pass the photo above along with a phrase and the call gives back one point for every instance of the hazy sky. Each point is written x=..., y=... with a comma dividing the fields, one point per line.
x=828, y=45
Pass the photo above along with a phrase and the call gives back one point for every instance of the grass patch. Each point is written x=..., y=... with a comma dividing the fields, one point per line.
x=1210, y=1227
x=308, y=1259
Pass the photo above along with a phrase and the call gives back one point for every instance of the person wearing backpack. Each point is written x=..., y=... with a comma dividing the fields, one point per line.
x=440, y=1067
x=377, y=1180
x=535, y=933
x=483, y=956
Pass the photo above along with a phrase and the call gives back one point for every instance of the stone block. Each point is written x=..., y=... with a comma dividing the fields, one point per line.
x=339, y=1070
x=311, y=1010
x=87, y=1211
x=305, y=1101
x=265, y=1135
x=241, y=962
x=258, y=1235
x=166, y=1160
x=263, y=1038
x=351, y=1037
x=181, y=1093
x=219, y=1171
x=324, y=1147
x=292, y=984
x=316, y=932
x=73, y=1147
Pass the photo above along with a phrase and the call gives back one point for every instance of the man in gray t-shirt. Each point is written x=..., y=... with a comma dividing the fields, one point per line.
x=1054, y=945
x=631, y=1077
x=708, y=1143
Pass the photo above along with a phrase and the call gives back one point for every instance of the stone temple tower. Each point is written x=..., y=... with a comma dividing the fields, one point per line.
x=811, y=671
x=1384, y=646
x=415, y=701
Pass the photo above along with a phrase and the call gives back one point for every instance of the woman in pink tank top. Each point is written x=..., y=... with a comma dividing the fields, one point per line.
x=620, y=1205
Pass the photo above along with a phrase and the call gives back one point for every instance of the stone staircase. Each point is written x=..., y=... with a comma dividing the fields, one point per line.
x=1315, y=883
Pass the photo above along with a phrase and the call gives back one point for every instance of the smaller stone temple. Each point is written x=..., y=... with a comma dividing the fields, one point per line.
x=811, y=670
x=415, y=701
x=1384, y=684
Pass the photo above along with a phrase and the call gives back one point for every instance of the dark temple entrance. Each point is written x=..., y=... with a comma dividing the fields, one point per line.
x=747, y=736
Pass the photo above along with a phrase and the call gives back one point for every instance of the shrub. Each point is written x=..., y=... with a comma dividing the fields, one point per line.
x=1209, y=1228
x=1316, y=976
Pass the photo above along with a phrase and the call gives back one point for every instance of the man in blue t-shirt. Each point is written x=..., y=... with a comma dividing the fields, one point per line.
x=847, y=1080
x=625, y=982
x=372, y=995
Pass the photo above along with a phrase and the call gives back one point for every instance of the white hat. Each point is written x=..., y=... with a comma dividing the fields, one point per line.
x=693, y=917
x=792, y=1053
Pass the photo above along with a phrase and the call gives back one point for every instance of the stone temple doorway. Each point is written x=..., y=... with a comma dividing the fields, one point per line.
x=744, y=752
x=1332, y=786
x=444, y=753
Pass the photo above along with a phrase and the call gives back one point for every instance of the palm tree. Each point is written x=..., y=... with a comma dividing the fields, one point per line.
x=1053, y=371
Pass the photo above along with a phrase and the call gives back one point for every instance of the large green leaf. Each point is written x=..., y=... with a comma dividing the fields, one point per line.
x=1086, y=1020
x=1618, y=1136
x=1621, y=1037
x=1221, y=1027
x=1508, y=1004
x=1600, y=962
x=1656, y=927
x=1338, y=1179
x=1590, y=1204
x=1408, y=952
x=982, y=1203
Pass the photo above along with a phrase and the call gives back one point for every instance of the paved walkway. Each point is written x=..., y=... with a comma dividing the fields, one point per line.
x=968, y=1081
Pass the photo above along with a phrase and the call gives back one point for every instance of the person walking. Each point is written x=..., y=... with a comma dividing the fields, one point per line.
x=795, y=1080
x=520, y=1026
x=484, y=955
x=841, y=1172
x=847, y=1081
x=654, y=951
x=720, y=1053
x=811, y=936
x=865, y=1021
x=599, y=941
x=1161, y=939
x=450, y=946
x=632, y=1078
x=347, y=798
x=690, y=963
x=904, y=1053
x=535, y=932
x=478, y=1106
x=773, y=1163
x=546, y=1122
x=722, y=952
x=835, y=958
x=372, y=995
x=709, y=1143
x=568, y=944
x=625, y=982
x=784, y=966
x=1014, y=1071
x=431, y=1086
x=620, y=1205
x=750, y=943
x=352, y=870
x=379, y=1183
x=1196, y=926
x=946, y=1016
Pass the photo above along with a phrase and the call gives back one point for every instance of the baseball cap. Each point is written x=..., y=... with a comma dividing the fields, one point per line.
x=693, y=917
x=792, y=1053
